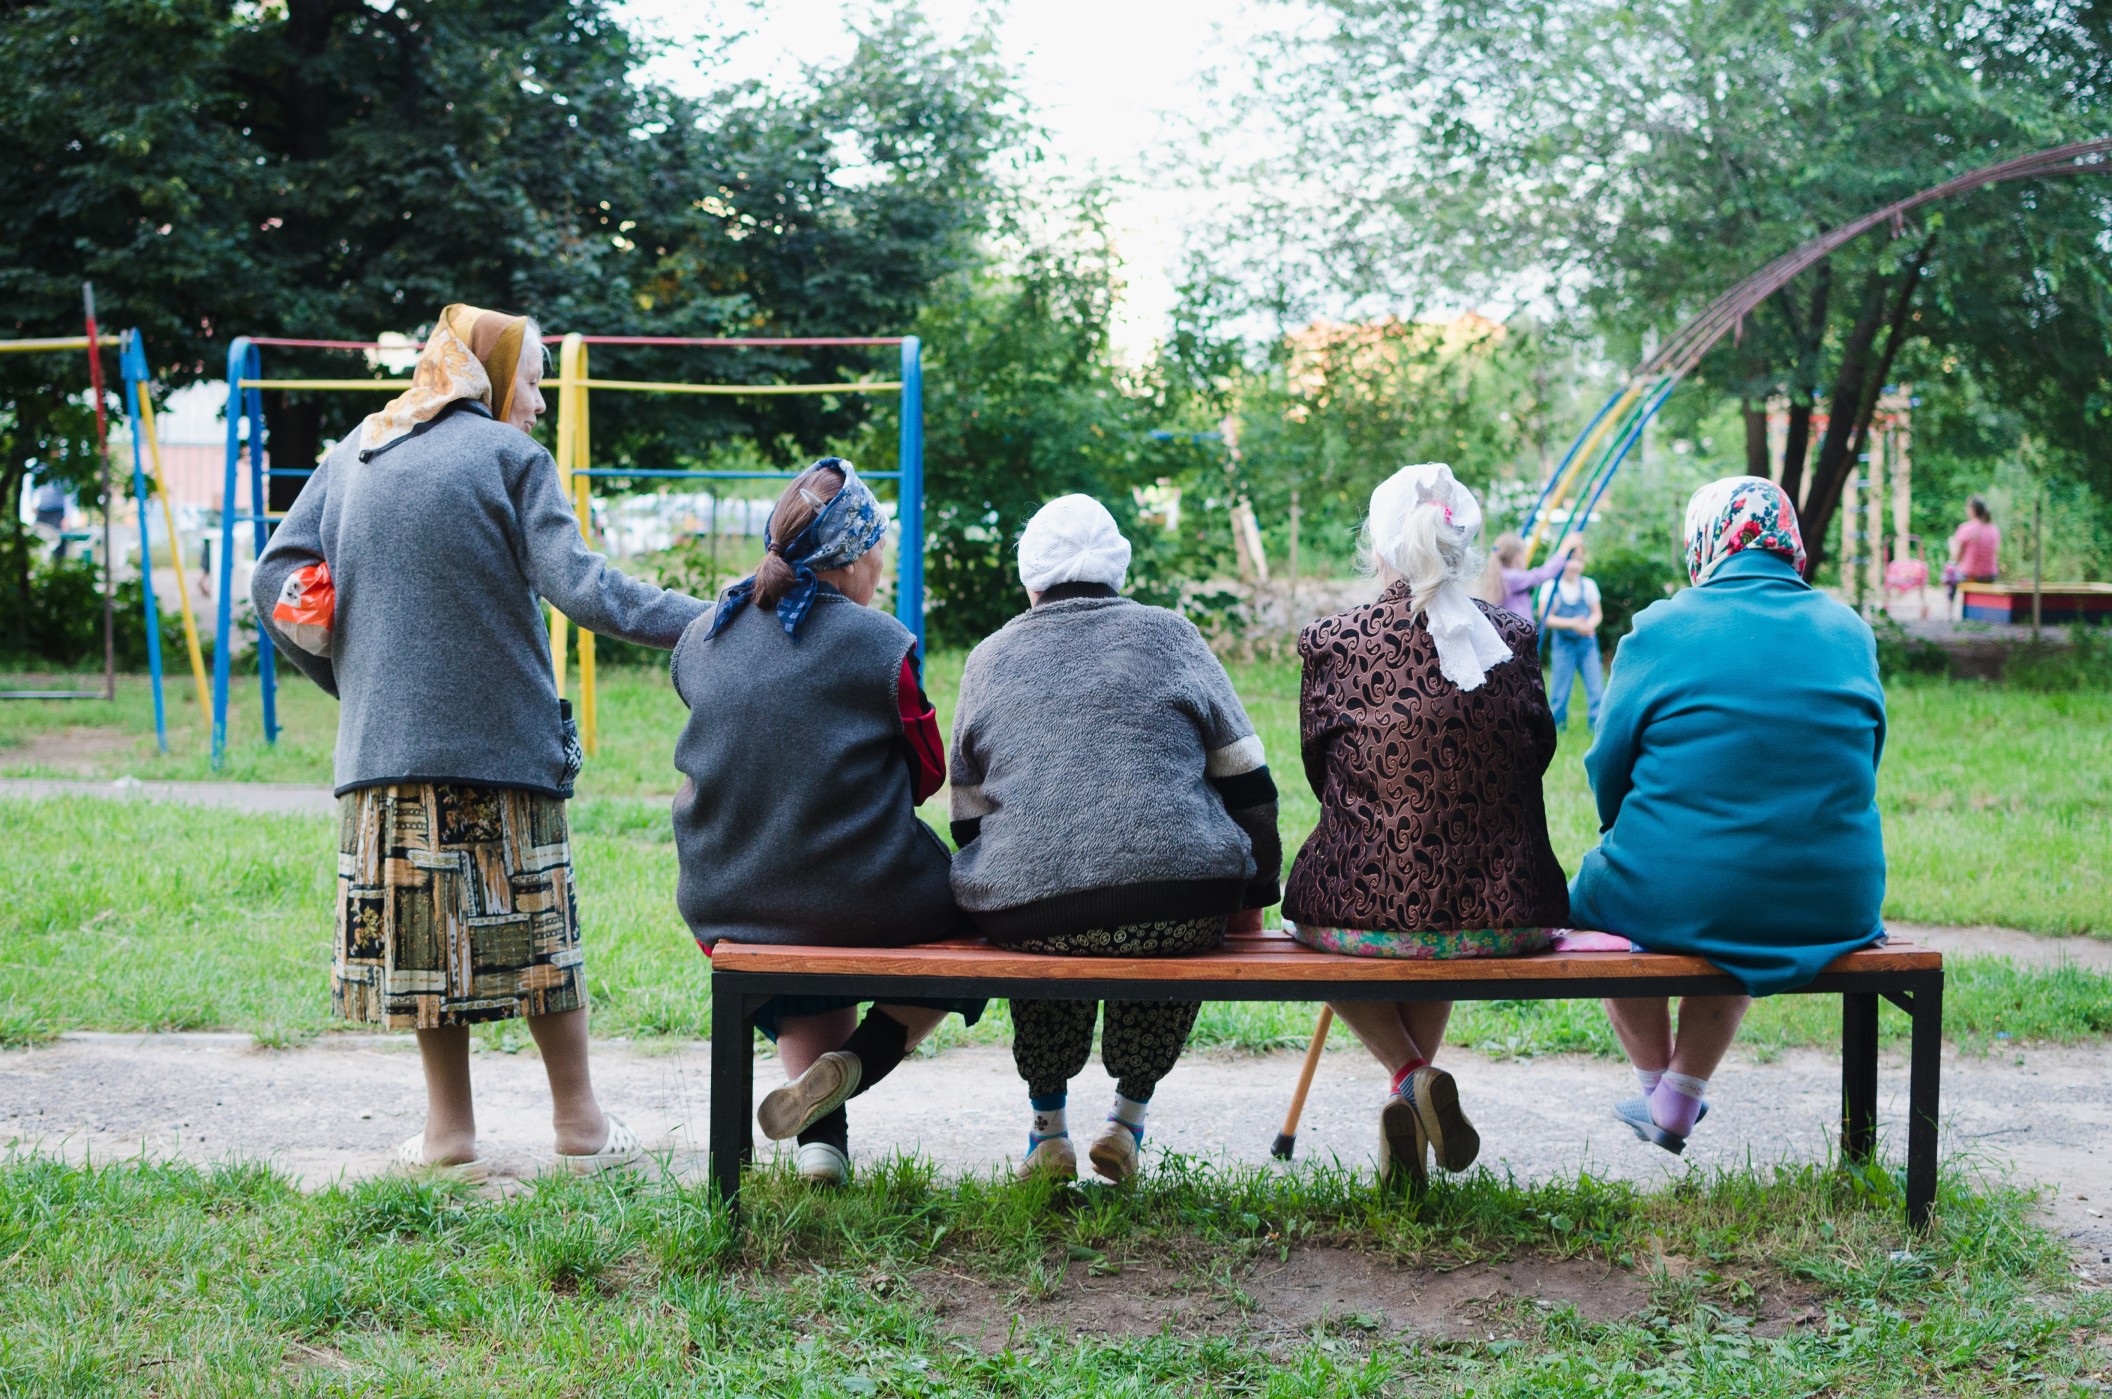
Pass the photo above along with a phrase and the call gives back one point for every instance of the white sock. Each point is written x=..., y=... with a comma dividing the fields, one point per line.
x=1130, y=1113
x=1686, y=1085
x=1648, y=1078
x=1048, y=1122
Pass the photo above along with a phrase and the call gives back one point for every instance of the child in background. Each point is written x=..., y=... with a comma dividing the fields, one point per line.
x=1570, y=605
x=1508, y=583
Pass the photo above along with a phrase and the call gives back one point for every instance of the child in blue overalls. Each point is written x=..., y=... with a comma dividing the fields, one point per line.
x=1571, y=606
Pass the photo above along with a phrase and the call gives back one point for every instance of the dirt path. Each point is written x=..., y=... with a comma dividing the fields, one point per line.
x=338, y=1107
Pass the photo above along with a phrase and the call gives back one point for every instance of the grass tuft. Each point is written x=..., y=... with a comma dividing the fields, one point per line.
x=138, y=1279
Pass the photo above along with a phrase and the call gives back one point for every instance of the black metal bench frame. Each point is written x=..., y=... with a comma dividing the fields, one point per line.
x=735, y=996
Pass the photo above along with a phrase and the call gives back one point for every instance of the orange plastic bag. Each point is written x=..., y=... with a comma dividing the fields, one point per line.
x=307, y=608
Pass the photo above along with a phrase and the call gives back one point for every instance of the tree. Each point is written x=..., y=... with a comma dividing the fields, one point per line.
x=1636, y=159
x=331, y=169
x=1026, y=403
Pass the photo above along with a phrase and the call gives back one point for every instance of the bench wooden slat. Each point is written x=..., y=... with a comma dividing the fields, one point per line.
x=1268, y=956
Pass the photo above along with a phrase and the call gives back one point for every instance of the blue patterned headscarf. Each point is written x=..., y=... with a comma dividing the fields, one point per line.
x=840, y=534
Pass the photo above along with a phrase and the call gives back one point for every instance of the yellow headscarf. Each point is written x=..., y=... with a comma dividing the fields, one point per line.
x=471, y=354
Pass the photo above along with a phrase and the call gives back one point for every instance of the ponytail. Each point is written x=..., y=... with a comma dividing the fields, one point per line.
x=803, y=499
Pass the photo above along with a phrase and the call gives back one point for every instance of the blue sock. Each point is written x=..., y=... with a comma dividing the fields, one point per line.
x=1048, y=1119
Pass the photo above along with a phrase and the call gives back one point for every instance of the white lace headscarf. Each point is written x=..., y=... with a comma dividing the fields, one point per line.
x=1072, y=539
x=1423, y=525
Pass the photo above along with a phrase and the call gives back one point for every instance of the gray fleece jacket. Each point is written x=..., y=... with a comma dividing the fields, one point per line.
x=439, y=544
x=1105, y=773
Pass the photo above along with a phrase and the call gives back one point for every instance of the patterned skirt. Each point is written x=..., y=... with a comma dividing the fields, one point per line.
x=1465, y=942
x=455, y=904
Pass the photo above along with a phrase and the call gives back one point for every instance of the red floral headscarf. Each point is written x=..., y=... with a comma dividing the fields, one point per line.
x=1735, y=514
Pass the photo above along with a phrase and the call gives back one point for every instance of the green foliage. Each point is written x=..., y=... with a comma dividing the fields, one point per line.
x=61, y=624
x=2085, y=663
x=1331, y=410
x=333, y=171
x=1900, y=652
x=1630, y=579
x=1633, y=161
x=1026, y=403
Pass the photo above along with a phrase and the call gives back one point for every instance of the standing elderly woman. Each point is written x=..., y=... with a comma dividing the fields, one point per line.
x=1425, y=731
x=441, y=523
x=1736, y=777
x=1110, y=799
x=808, y=747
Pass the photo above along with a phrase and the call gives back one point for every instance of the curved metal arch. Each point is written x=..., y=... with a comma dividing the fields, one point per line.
x=1589, y=465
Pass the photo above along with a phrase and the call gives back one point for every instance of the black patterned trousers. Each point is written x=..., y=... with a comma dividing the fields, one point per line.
x=1142, y=1040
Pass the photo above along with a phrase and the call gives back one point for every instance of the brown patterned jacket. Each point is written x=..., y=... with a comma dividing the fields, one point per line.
x=1431, y=817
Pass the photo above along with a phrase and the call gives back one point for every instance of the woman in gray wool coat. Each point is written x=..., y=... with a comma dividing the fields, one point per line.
x=1110, y=799
x=440, y=523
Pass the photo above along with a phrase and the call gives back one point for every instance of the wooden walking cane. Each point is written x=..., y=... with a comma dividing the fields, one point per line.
x=1287, y=1139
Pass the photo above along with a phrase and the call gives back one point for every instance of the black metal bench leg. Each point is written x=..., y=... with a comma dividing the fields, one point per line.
x=1925, y=1070
x=1859, y=1075
x=732, y=1143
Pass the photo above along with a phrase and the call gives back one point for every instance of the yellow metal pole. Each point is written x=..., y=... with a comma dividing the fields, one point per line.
x=62, y=342
x=1560, y=495
x=583, y=488
x=183, y=589
x=567, y=354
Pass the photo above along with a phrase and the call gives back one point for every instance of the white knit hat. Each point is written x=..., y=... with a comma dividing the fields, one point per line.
x=1072, y=539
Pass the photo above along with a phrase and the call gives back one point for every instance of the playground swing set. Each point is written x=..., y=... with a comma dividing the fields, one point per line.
x=245, y=425
x=139, y=414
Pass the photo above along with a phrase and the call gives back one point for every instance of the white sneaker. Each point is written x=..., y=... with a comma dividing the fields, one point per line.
x=1052, y=1157
x=822, y=1164
x=826, y=1086
x=1114, y=1152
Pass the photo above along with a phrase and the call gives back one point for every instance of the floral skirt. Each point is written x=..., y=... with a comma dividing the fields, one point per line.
x=1465, y=942
x=455, y=904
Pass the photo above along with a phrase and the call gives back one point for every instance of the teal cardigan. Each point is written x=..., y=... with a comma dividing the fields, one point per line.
x=1735, y=769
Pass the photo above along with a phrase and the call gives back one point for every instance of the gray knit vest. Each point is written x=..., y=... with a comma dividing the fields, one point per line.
x=797, y=822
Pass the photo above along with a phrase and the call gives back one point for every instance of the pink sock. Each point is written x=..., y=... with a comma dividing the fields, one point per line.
x=1400, y=1080
x=1672, y=1109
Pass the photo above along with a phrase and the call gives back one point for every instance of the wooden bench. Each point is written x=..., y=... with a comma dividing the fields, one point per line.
x=1271, y=967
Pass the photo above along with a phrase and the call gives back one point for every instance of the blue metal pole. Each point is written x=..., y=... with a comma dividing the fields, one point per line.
x=260, y=504
x=238, y=356
x=909, y=592
x=132, y=365
x=1533, y=515
x=1576, y=522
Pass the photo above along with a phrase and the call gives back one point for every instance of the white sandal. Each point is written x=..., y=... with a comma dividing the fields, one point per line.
x=410, y=1161
x=621, y=1151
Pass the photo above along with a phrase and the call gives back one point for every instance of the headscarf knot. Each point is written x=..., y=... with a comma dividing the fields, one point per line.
x=842, y=532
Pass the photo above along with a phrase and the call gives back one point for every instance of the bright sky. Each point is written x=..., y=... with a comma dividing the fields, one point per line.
x=1110, y=80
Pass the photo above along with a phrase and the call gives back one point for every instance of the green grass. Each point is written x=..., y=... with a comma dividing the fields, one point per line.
x=212, y=920
x=141, y=1279
x=1997, y=801
x=137, y=917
